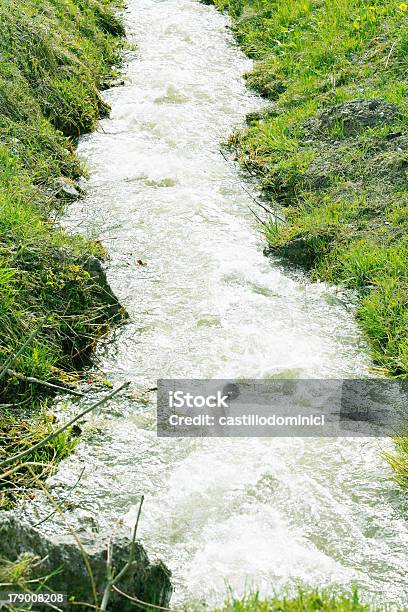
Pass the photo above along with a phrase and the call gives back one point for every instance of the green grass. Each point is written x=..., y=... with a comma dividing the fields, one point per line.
x=304, y=601
x=343, y=185
x=399, y=460
x=18, y=435
x=341, y=180
x=54, y=55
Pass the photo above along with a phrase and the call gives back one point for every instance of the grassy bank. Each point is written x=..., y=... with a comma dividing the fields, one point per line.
x=54, y=56
x=335, y=161
x=302, y=602
x=331, y=150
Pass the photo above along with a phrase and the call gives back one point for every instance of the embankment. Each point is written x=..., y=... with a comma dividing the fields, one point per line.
x=54, y=300
x=331, y=151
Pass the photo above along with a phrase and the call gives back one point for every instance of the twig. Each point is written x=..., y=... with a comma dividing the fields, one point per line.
x=28, y=399
x=33, y=581
x=37, y=381
x=63, y=500
x=143, y=603
x=63, y=428
x=257, y=217
x=84, y=603
x=259, y=203
x=19, y=466
x=112, y=579
x=132, y=545
x=253, y=198
x=390, y=53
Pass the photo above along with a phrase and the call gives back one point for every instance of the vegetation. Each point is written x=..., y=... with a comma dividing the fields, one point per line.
x=302, y=602
x=399, y=460
x=54, y=56
x=18, y=435
x=331, y=150
x=337, y=167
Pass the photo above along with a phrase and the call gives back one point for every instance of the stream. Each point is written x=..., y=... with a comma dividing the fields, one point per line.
x=204, y=302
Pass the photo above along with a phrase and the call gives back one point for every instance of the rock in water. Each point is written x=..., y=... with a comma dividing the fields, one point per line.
x=149, y=582
x=67, y=189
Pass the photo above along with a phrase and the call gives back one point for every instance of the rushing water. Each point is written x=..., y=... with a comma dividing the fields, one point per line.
x=243, y=512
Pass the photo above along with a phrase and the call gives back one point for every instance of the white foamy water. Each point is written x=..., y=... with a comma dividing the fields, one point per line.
x=245, y=512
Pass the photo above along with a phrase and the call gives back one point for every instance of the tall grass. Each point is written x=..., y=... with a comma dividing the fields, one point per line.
x=19, y=434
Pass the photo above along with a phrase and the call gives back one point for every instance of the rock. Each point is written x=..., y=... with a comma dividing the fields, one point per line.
x=95, y=269
x=117, y=82
x=145, y=580
x=110, y=83
x=113, y=310
x=67, y=189
x=353, y=116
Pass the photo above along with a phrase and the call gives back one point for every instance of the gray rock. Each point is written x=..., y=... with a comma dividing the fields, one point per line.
x=67, y=189
x=95, y=268
x=145, y=580
x=110, y=83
